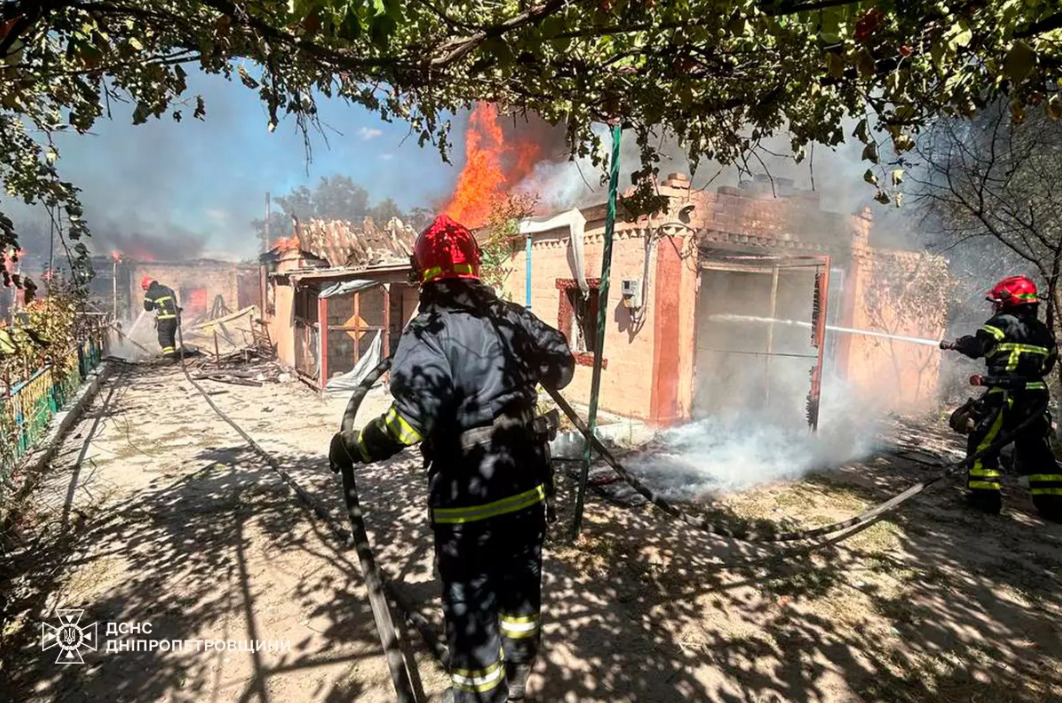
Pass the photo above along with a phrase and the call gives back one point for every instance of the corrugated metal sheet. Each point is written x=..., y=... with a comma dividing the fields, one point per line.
x=344, y=243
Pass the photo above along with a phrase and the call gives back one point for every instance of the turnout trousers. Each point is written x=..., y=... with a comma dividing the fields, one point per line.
x=491, y=572
x=167, y=329
x=1033, y=456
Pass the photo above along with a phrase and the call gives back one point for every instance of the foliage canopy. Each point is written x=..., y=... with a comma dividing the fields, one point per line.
x=718, y=74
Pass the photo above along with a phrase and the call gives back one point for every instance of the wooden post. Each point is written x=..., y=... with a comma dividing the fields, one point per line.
x=602, y=319
x=114, y=288
x=217, y=354
x=385, y=341
x=322, y=342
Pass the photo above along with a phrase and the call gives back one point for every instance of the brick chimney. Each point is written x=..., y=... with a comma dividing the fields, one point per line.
x=678, y=180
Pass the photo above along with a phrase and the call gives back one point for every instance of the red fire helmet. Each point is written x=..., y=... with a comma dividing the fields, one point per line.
x=145, y=282
x=446, y=249
x=1014, y=291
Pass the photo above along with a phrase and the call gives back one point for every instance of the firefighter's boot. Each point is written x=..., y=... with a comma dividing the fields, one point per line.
x=517, y=675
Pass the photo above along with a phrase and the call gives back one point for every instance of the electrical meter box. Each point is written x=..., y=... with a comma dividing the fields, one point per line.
x=632, y=293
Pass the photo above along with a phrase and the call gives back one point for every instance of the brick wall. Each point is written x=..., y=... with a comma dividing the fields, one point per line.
x=643, y=377
x=626, y=383
x=211, y=278
x=900, y=374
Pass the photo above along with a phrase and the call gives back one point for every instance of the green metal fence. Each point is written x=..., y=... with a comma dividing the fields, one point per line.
x=28, y=406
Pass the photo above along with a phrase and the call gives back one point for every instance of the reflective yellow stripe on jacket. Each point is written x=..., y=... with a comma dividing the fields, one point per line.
x=518, y=626
x=162, y=313
x=472, y=513
x=995, y=332
x=399, y=428
x=1016, y=349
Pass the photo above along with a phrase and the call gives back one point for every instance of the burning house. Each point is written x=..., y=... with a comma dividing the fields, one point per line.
x=204, y=287
x=337, y=295
x=730, y=300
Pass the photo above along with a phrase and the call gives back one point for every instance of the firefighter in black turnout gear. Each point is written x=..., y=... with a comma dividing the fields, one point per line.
x=163, y=301
x=463, y=381
x=1019, y=350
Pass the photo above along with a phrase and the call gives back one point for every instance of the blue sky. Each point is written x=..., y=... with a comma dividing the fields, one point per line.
x=210, y=177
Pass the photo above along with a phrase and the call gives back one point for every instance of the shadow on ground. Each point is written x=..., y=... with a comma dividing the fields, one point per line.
x=931, y=604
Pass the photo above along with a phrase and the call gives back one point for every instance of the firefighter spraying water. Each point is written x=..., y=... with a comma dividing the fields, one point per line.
x=163, y=301
x=1019, y=350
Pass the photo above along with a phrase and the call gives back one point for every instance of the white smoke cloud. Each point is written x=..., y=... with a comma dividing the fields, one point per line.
x=725, y=454
x=368, y=133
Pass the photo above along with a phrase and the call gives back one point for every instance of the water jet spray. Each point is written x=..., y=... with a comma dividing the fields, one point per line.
x=829, y=328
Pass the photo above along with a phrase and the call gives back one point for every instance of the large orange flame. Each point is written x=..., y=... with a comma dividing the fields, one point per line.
x=493, y=165
x=287, y=243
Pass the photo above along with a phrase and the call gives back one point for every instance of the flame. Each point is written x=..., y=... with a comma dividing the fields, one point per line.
x=287, y=244
x=493, y=165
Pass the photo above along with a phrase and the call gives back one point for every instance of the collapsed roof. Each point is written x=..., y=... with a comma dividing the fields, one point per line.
x=344, y=243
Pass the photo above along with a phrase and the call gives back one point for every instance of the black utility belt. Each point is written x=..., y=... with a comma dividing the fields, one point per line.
x=543, y=427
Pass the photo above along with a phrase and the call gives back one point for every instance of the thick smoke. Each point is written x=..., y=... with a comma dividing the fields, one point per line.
x=138, y=237
x=836, y=174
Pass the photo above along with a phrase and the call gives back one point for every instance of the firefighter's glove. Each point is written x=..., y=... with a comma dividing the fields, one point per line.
x=343, y=452
x=945, y=344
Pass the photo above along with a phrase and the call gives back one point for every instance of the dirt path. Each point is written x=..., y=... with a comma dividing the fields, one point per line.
x=168, y=519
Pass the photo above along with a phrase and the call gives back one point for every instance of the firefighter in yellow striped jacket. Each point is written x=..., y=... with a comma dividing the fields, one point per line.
x=463, y=380
x=163, y=301
x=1019, y=350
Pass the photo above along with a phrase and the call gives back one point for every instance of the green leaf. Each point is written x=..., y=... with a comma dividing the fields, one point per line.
x=897, y=176
x=1054, y=107
x=860, y=131
x=903, y=142
x=865, y=64
x=200, y=108
x=1020, y=60
x=870, y=153
x=870, y=177
x=882, y=197
x=962, y=38
x=835, y=65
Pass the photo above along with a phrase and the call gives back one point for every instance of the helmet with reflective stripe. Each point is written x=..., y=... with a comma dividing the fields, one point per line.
x=146, y=282
x=1014, y=291
x=446, y=249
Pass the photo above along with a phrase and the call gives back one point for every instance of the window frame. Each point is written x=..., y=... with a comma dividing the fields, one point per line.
x=566, y=316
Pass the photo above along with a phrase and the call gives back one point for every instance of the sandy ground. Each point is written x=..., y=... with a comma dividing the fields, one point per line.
x=155, y=512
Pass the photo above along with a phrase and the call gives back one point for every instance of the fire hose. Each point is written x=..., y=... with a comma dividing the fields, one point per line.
x=379, y=588
x=401, y=676
x=810, y=533
x=679, y=514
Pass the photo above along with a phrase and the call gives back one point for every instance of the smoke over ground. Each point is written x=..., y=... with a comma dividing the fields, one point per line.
x=732, y=453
